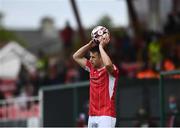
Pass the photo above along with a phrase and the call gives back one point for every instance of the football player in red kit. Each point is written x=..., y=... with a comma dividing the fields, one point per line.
x=103, y=83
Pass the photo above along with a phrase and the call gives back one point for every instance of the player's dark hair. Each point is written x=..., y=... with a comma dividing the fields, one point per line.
x=95, y=49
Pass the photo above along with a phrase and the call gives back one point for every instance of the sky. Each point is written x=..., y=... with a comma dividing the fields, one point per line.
x=27, y=14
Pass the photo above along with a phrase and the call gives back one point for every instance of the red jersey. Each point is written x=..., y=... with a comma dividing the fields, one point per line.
x=102, y=91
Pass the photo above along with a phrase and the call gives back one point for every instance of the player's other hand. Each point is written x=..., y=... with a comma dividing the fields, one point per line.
x=104, y=41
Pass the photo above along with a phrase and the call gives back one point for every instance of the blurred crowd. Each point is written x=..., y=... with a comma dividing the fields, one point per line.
x=139, y=56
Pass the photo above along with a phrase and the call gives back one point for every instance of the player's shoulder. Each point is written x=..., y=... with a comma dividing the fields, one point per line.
x=115, y=67
x=115, y=71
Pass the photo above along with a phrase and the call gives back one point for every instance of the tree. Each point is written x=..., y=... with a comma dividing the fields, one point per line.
x=6, y=36
x=105, y=21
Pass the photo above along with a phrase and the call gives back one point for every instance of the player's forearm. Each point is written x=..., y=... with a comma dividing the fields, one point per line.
x=82, y=51
x=105, y=58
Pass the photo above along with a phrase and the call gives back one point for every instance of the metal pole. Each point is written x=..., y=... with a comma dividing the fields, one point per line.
x=76, y=13
x=162, y=94
x=75, y=103
x=133, y=16
x=162, y=101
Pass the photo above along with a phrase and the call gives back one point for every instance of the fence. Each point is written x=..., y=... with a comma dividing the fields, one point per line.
x=20, y=111
x=62, y=104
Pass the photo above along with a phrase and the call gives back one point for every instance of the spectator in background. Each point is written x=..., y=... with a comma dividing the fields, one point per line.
x=128, y=48
x=144, y=119
x=61, y=67
x=154, y=53
x=53, y=77
x=72, y=74
x=34, y=79
x=81, y=121
x=170, y=26
x=22, y=78
x=176, y=57
x=41, y=66
x=130, y=67
x=173, y=115
x=84, y=76
x=147, y=72
x=168, y=65
x=67, y=36
x=140, y=49
x=26, y=92
x=178, y=21
x=42, y=62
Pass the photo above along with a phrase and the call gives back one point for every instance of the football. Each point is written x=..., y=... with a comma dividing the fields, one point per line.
x=99, y=33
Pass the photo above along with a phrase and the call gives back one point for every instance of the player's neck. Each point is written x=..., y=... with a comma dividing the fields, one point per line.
x=99, y=67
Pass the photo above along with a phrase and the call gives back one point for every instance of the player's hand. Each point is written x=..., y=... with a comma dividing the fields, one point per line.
x=92, y=43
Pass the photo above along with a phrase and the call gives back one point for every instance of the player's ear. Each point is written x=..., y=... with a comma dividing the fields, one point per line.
x=99, y=55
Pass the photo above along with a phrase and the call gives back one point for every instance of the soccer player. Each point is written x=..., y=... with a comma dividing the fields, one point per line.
x=103, y=82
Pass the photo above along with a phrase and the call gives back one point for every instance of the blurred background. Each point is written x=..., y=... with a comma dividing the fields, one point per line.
x=40, y=84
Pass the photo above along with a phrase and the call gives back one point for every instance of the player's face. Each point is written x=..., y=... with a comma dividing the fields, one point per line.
x=95, y=59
